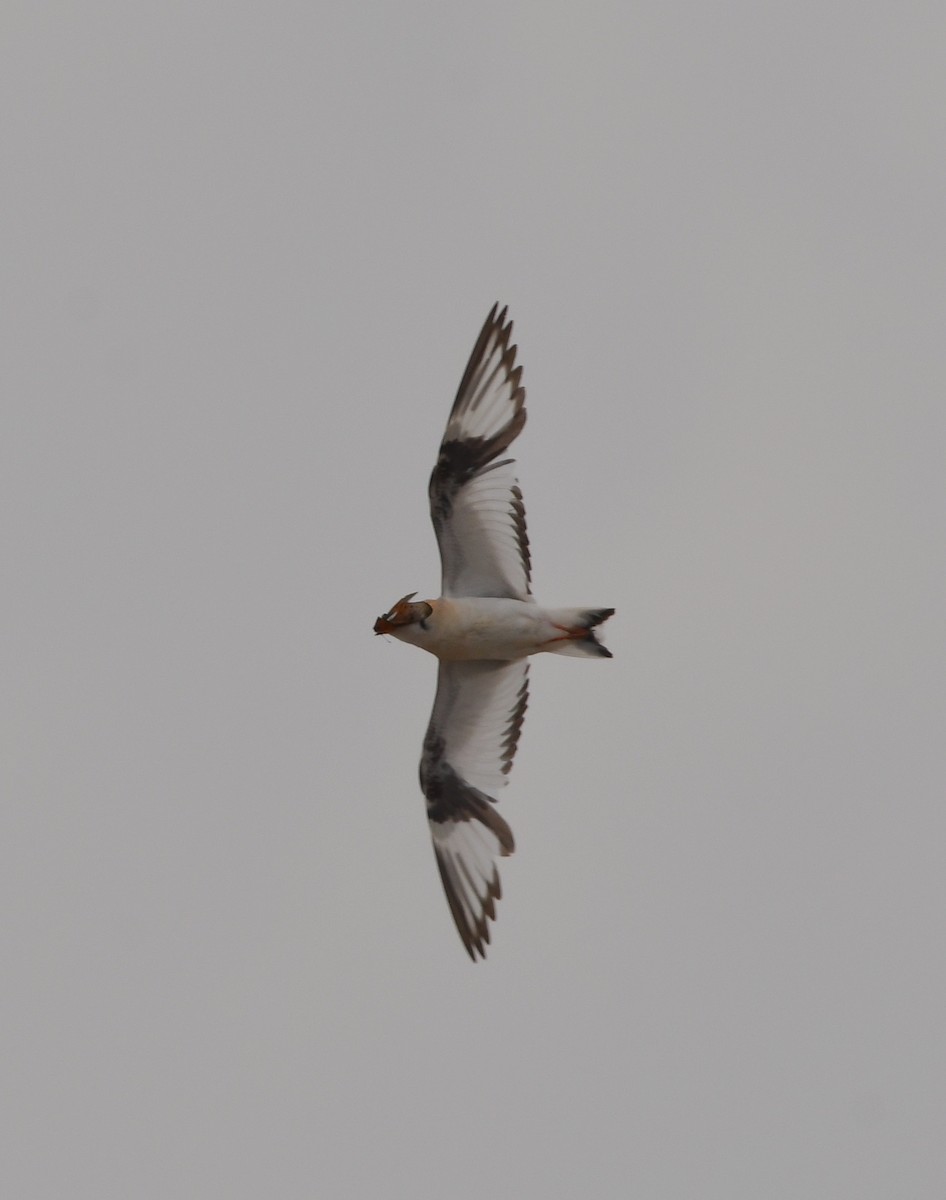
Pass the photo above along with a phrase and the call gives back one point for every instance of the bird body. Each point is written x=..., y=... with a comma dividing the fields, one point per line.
x=483, y=628
x=499, y=629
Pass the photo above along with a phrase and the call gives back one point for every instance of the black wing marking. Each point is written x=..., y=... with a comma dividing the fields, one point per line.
x=475, y=502
x=468, y=750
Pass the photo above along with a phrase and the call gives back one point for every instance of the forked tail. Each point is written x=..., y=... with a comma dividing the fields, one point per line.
x=577, y=636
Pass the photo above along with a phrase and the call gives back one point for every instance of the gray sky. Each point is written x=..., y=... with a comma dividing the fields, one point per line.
x=247, y=250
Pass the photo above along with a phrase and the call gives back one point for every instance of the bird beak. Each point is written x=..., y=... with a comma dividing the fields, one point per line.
x=399, y=614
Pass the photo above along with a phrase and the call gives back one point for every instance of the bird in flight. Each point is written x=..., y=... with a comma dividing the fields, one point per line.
x=482, y=629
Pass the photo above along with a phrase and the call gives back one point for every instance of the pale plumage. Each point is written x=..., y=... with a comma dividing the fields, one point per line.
x=482, y=628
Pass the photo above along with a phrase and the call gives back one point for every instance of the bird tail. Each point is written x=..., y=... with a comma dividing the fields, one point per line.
x=577, y=627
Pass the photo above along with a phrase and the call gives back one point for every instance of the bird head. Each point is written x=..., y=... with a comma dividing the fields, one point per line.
x=403, y=613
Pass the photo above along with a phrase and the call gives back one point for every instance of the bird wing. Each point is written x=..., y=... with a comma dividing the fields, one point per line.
x=475, y=502
x=468, y=751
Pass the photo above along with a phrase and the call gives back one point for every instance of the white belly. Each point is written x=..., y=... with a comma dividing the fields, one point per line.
x=481, y=627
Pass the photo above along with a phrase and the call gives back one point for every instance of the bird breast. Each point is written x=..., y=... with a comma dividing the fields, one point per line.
x=484, y=628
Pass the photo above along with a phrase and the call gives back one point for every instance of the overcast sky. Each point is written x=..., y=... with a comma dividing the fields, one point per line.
x=246, y=252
